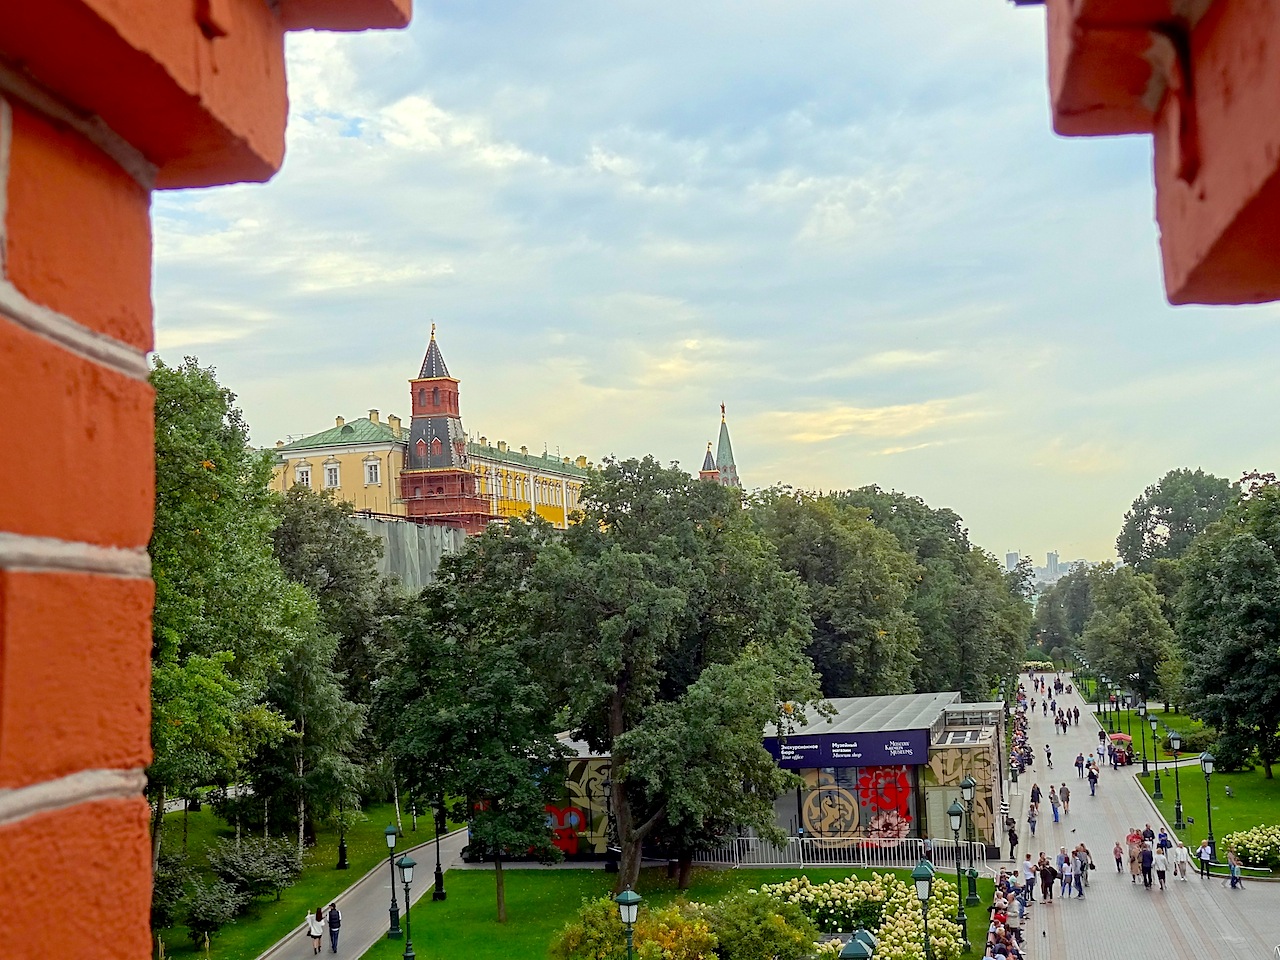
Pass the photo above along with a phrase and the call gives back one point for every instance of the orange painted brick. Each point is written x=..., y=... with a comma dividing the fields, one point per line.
x=77, y=882
x=75, y=670
x=77, y=230
x=90, y=472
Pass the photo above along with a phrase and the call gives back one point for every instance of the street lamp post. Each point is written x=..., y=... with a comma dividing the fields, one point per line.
x=342, y=837
x=406, y=865
x=968, y=789
x=1129, y=717
x=1175, y=744
x=394, y=933
x=955, y=814
x=437, y=891
x=1156, y=794
x=922, y=877
x=628, y=902
x=1142, y=713
x=1206, y=764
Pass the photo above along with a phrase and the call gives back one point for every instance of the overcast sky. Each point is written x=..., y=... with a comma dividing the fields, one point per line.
x=849, y=221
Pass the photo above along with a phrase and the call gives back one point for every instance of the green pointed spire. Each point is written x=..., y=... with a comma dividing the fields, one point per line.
x=724, y=456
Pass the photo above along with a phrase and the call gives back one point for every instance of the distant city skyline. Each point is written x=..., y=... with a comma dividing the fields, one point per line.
x=850, y=224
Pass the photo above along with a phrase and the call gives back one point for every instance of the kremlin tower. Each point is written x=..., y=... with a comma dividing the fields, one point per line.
x=436, y=481
x=721, y=469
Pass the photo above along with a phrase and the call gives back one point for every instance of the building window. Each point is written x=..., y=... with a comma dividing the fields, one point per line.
x=435, y=396
x=372, y=473
x=302, y=476
x=422, y=397
x=331, y=476
x=436, y=447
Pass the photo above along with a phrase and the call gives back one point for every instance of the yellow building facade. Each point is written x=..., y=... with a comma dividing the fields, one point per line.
x=360, y=461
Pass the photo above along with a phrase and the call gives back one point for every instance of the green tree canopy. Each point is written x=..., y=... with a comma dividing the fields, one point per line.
x=1169, y=514
x=1127, y=637
x=859, y=579
x=1229, y=624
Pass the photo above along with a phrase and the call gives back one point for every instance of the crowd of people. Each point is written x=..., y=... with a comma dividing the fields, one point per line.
x=1156, y=857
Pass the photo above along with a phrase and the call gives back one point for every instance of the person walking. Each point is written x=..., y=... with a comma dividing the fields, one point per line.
x=1233, y=866
x=1093, y=781
x=1035, y=794
x=1048, y=755
x=1064, y=794
x=335, y=924
x=1013, y=843
x=1080, y=765
x=1080, y=870
x=1205, y=854
x=315, y=929
x=1029, y=879
x=1075, y=712
x=1135, y=861
x=1118, y=852
x=1181, y=856
x=1066, y=875
x=1160, y=861
x=1047, y=875
x=1031, y=819
x=1053, y=802
x=1148, y=862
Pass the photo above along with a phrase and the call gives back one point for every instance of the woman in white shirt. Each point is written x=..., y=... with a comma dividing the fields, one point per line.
x=315, y=929
x=1181, y=856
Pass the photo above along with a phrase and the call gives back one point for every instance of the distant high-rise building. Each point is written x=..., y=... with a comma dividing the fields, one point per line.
x=1011, y=560
x=1051, y=564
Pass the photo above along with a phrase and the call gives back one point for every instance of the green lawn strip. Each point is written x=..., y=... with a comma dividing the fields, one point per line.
x=1256, y=802
x=540, y=902
x=267, y=921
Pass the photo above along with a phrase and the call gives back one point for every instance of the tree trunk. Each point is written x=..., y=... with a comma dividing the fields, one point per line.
x=186, y=810
x=499, y=883
x=1266, y=766
x=686, y=872
x=302, y=812
x=265, y=809
x=395, y=796
x=157, y=826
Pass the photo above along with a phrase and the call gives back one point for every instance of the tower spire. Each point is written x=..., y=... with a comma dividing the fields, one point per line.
x=725, y=464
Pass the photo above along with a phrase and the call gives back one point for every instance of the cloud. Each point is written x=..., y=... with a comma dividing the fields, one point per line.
x=898, y=420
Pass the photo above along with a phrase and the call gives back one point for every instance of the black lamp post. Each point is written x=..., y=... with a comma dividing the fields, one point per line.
x=968, y=789
x=922, y=877
x=394, y=933
x=1206, y=764
x=437, y=892
x=955, y=815
x=342, y=838
x=406, y=865
x=628, y=902
x=1156, y=794
x=861, y=946
x=1111, y=714
x=1142, y=714
x=1097, y=689
x=1175, y=744
x=1129, y=717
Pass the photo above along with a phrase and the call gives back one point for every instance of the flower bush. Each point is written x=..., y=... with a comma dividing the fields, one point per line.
x=1258, y=847
x=885, y=905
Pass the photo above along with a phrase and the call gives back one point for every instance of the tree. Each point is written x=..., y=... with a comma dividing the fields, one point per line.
x=1229, y=624
x=463, y=705
x=661, y=580
x=217, y=587
x=1127, y=636
x=972, y=620
x=319, y=547
x=1169, y=514
x=858, y=578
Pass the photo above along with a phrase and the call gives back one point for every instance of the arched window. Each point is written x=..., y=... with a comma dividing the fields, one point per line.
x=422, y=396
x=435, y=396
x=421, y=447
x=436, y=447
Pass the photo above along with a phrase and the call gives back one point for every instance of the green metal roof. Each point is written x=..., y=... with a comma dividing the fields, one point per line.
x=546, y=461
x=363, y=430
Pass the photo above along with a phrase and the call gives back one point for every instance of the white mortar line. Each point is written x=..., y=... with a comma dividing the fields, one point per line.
x=18, y=552
x=86, y=786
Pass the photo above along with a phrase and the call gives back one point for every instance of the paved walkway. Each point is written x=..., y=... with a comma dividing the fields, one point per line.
x=366, y=905
x=1119, y=920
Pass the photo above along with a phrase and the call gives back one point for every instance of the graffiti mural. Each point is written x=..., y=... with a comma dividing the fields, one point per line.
x=853, y=803
x=583, y=822
x=948, y=765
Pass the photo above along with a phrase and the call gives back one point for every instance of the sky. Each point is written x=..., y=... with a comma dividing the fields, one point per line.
x=848, y=221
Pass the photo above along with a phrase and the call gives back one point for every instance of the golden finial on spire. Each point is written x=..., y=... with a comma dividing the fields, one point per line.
x=722, y=413
x=433, y=336
x=708, y=446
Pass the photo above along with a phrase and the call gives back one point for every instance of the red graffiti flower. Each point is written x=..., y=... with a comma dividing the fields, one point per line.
x=885, y=788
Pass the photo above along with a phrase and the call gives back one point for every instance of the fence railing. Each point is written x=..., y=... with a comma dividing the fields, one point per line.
x=867, y=852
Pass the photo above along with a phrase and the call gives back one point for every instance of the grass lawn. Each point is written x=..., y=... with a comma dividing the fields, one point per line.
x=269, y=920
x=540, y=902
x=1256, y=802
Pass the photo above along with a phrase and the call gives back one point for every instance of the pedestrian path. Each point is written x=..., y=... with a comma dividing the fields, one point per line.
x=366, y=904
x=1119, y=920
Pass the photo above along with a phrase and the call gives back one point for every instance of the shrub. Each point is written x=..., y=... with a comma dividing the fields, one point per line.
x=837, y=906
x=169, y=886
x=1232, y=753
x=1257, y=847
x=754, y=926
x=209, y=907
x=256, y=867
x=677, y=932
x=1198, y=741
x=597, y=934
